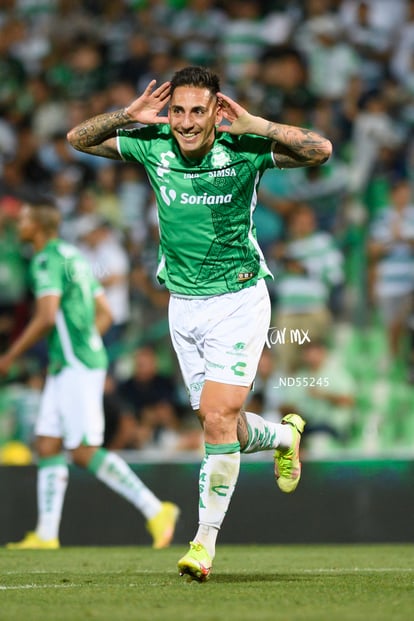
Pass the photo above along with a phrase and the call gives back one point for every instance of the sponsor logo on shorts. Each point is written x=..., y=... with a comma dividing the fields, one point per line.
x=239, y=346
x=196, y=386
x=237, y=368
x=214, y=365
x=237, y=349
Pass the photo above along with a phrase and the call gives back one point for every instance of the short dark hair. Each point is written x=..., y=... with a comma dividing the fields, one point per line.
x=45, y=212
x=201, y=77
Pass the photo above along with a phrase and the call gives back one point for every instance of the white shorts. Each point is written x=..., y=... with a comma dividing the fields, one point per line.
x=220, y=338
x=72, y=407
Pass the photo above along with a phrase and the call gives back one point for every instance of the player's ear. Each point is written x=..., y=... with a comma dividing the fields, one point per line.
x=219, y=114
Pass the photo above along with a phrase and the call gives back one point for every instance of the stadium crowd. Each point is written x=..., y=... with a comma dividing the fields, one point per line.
x=339, y=238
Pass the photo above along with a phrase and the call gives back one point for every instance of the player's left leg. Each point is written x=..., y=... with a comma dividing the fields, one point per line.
x=84, y=427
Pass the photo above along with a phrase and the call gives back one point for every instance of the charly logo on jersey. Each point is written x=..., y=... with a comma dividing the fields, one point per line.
x=219, y=156
x=164, y=167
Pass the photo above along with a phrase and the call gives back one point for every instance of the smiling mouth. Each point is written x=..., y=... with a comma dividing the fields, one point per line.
x=188, y=134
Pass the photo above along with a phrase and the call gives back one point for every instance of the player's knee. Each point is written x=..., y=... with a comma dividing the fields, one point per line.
x=219, y=422
x=82, y=455
x=48, y=447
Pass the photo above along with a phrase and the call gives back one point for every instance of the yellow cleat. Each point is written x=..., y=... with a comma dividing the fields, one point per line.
x=287, y=464
x=196, y=564
x=162, y=526
x=32, y=541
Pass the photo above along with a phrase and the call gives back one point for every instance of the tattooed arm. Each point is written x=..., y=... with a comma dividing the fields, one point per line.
x=292, y=146
x=295, y=146
x=98, y=134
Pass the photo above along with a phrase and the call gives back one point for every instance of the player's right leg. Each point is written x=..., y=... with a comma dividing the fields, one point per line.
x=52, y=473
x=115, y=473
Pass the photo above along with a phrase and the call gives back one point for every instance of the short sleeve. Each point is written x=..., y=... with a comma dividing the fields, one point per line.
x=47, y=275
x=259, y=151
x=135, y=144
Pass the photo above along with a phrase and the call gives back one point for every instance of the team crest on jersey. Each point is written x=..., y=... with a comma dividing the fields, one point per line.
x=219, y=157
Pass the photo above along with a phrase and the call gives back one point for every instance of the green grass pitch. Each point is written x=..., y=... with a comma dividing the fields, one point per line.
x=249, y=583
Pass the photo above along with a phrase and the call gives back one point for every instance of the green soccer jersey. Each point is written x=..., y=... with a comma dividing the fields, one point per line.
x=60, y=269
x=208, y=240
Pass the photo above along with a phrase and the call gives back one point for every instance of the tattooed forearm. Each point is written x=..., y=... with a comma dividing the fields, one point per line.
x=93, y=131
x=89, y=135
x=295, y=146
x=291, y=158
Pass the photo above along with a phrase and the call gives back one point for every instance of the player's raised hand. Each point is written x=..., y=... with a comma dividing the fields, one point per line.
x=239, y=118
x=148, y=106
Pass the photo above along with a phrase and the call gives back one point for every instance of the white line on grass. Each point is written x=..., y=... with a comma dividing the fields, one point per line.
x=18, y=587
x=72, y=585
x=344, y=570
x=12, y=572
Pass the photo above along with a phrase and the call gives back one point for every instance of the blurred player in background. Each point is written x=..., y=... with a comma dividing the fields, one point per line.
x=205, y=179
x=72, y=311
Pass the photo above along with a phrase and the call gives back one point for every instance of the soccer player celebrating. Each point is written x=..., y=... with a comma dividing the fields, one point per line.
x=205, y=176
x=71, y=309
